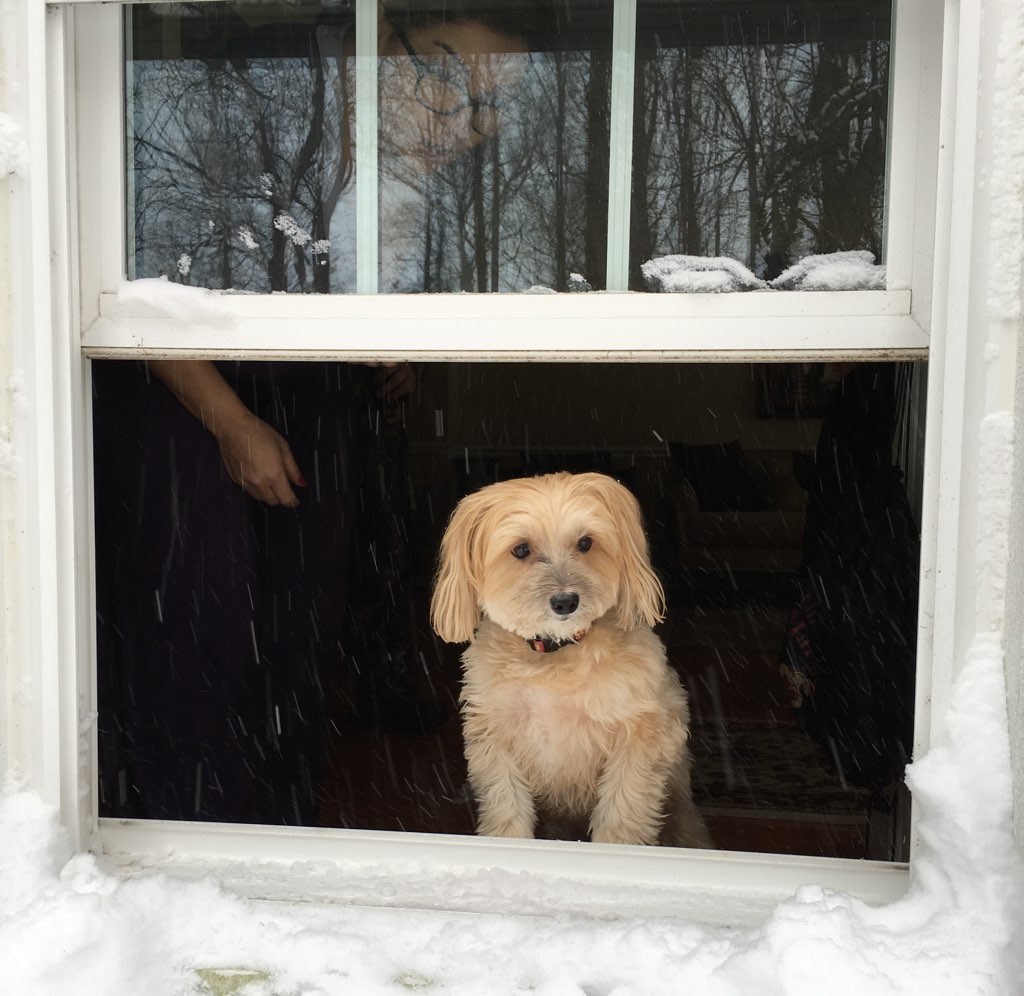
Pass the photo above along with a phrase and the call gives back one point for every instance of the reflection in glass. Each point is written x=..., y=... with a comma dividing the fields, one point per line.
x=239, y=145
x=276, y=665
x=759, y=131
x=758, y=134
x=496, y=178
x=493, y=145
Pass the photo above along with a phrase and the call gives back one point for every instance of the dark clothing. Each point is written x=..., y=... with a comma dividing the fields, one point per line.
x=850, y=645
x=218, y=617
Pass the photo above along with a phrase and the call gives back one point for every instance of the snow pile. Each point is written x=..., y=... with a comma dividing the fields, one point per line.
x=698, y=275
x=13, y=150
x=1006, y=182
x=160, y=297
x=68, y=927
x=833, y=271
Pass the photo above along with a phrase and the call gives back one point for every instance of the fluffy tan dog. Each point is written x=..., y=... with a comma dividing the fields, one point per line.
x=571, y=714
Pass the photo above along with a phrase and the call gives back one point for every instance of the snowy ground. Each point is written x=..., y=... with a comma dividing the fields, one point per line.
x=69, y=928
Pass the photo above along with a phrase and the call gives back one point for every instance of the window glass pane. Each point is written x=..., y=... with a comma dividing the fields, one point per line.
x=261, y=663
x=239, y=145
x=493, y=145
x=759, y=135
x=494, y=173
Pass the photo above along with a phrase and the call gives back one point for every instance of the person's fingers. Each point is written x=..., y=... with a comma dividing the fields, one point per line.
x=283, y=495
x=261, y=490
x=263, y=465
x=263, y=496
x=291, y=468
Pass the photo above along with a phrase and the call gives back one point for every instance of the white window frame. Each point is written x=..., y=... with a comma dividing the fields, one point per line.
x=80, y=130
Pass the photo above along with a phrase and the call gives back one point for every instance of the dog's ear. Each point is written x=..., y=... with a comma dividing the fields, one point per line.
x=641, y=598
x=454, y=608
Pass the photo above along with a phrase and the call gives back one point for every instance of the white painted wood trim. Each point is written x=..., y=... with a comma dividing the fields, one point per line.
x=96, y=105
x=41, y=636
x=944, y=506
x=367, y=199
x=739, y=339
x=910, y=160
x=591, y=326
x=624, y=866
x=792, y=305
x=900, y=168
x=620, y=152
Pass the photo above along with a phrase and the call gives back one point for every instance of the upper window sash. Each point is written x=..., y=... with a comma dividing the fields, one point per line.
x=612, y=324
x=507, y=326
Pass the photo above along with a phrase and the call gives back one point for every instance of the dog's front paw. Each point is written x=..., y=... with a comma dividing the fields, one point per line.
x=507, y=828
x=623, y=834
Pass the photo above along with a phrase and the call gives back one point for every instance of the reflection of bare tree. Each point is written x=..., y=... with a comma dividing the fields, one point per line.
x=765, y=152
x=761, y=152
x=238, y=163
x=516, y=211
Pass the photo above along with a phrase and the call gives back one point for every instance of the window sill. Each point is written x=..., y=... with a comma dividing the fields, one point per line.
x=476, y=875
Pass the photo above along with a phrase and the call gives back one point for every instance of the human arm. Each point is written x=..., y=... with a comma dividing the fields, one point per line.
x=256, y=456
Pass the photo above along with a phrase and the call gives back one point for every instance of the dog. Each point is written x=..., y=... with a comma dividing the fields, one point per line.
x=573, y=722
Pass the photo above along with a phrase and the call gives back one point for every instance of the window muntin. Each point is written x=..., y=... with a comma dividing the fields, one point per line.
x=713, y=451
x=531, y=206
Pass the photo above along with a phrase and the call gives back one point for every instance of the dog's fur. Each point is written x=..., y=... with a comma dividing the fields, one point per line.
x=590, y=737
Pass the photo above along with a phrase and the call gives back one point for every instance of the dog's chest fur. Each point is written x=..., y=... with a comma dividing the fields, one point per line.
x=561, y=713
x=562, y=741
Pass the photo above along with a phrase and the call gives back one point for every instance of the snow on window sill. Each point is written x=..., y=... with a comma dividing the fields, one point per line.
x=479, y=875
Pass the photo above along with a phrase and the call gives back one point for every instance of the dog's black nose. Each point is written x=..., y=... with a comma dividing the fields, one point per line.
x=565, y=603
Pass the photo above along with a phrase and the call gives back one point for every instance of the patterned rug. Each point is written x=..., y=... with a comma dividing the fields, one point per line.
x=771, y=768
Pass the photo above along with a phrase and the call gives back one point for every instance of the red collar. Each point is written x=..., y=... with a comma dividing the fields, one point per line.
x=548, y=645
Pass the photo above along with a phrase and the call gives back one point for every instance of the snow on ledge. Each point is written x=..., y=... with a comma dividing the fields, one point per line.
x=698, y=275
x=836, y=271
x=159, y=297
x=833, y=271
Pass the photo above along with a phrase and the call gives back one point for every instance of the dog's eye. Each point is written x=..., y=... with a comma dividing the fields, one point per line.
x=521, y=552
x=584, y=544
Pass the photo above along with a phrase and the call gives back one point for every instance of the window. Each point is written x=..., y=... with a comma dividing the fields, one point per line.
x=779, y=520
x=584, y=205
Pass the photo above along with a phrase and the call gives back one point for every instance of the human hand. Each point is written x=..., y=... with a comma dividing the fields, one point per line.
x=259, y=460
